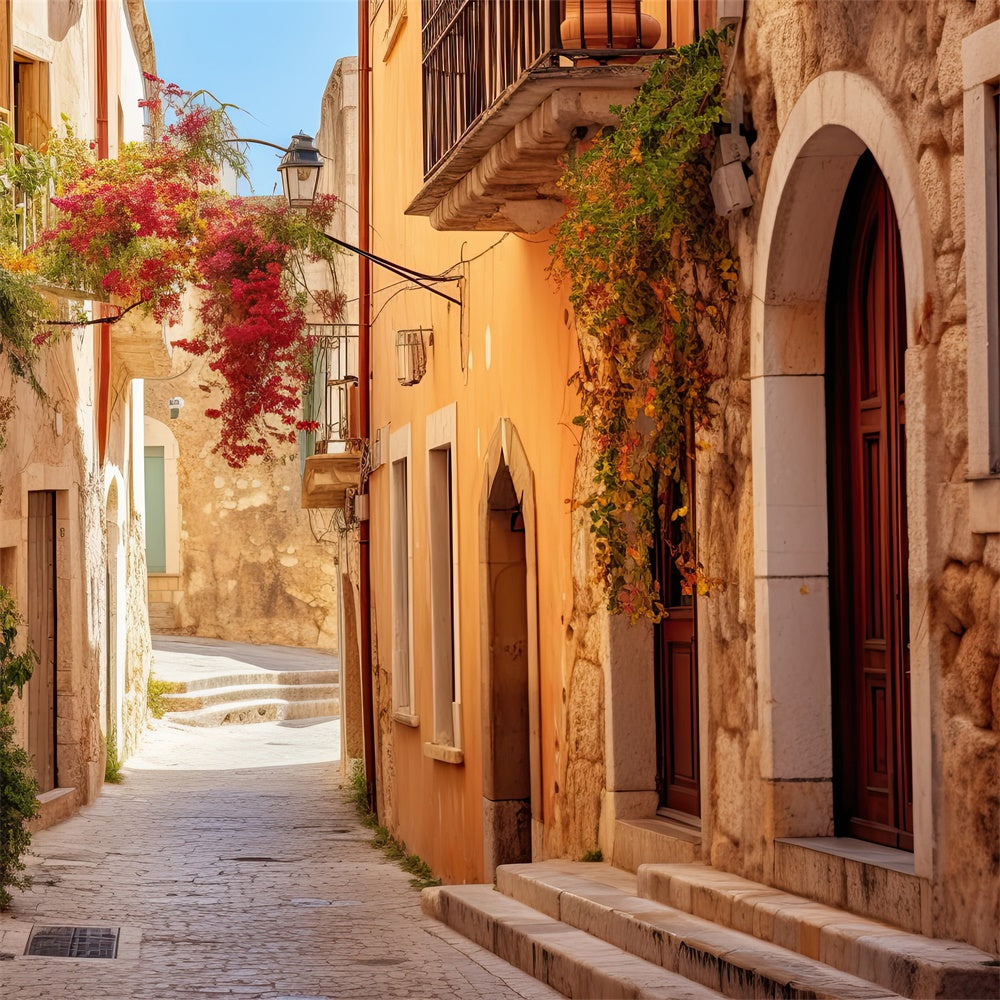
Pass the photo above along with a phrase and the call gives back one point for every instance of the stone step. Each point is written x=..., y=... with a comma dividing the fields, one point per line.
x=239, y=713
x=237, y=678
x=187, y=701
x=909, y=964
x=567, y=959
x=603, y=902
x=162, y=616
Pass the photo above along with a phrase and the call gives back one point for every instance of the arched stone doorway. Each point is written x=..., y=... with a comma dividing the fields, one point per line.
x=511, y=760
x=838, y=118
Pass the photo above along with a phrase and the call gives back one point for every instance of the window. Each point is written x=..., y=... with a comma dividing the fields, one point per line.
x=981, y=75
x=401, y=558
x=442, y=536
x=31, y=101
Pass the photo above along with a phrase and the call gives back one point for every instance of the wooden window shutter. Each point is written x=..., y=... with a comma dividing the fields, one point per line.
x=33, y=119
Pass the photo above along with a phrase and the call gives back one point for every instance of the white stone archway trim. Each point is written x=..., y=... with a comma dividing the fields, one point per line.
x=836, y=118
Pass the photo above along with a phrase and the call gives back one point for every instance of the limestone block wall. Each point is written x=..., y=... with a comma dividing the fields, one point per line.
x=249, y=567
x=791, y=64
x=912, y=54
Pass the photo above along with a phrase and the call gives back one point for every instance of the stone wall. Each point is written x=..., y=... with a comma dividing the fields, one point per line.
x=912, y=53
x=250, y=567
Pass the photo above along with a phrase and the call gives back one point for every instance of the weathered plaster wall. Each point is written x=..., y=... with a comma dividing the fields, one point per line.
x=250, y=568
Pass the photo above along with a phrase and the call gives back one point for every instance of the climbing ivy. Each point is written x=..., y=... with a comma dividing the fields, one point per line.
x=652, y=276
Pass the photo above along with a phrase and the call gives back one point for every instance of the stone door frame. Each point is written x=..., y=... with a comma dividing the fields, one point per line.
x=837, y=117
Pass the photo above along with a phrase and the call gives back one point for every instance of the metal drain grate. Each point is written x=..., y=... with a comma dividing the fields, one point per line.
x=74, y=942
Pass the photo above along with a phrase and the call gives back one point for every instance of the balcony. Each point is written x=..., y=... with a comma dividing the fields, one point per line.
x=505, y=95
x=330, y=456
x=139, y=343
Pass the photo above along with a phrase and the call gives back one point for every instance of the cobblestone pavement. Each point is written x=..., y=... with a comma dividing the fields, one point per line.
x=233, y=868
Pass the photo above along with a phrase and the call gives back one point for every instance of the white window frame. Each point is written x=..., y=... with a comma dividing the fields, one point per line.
x=981, y=75
x=442, y=561
x=401, y=566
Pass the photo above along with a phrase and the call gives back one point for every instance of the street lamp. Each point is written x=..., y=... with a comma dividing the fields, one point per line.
x=299, y=169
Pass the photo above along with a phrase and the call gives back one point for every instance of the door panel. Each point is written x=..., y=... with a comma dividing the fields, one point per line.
x=676, y=667
x=866, y=341
x=41, y=689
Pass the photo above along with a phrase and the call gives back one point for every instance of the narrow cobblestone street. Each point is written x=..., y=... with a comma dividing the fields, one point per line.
x=233, y=867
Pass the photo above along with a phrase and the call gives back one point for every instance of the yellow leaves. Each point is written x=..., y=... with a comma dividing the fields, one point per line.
x=635, y=154
x=680, y=512
x=11, y=259
x=650, y=410
x=672, y=312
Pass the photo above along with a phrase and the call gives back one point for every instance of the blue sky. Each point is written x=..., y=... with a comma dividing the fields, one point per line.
x=271, y=57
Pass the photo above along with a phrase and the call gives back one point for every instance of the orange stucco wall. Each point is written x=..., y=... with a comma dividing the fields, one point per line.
x=508, y=356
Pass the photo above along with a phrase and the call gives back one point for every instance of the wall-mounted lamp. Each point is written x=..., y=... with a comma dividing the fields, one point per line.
x=730, y=191
x=411, y=355
x=175, y=403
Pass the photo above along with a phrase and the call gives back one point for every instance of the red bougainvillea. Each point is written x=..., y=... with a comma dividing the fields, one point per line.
x=147, y=225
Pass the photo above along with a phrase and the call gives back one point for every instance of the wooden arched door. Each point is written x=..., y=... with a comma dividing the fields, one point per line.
x=676, y=662
x=866, y=406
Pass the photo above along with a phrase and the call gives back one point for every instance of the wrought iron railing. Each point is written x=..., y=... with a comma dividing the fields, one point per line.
x=473, y=51
x=330, y=399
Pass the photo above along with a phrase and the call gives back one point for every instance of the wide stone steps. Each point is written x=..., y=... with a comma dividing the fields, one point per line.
x=910, y=964
x=789, y=949
x=571, y=961
x=241, y=698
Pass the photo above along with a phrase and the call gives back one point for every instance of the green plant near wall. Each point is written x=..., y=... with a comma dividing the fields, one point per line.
x=18, y=801
x=356, y=794
x=652, y=276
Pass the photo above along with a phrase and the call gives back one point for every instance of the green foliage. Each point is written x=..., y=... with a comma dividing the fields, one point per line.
x=652, y=276
x=155, y=690
x=356, y=794
x=593, y=856
x=18, y=787
x=26, y=176
x=112, y=762
x=15, y=668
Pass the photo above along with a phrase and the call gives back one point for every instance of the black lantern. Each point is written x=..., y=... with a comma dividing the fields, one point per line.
x=299, y=169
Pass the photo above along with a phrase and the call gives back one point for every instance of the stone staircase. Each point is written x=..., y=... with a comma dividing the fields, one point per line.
x=690, y=931
x=240, y=698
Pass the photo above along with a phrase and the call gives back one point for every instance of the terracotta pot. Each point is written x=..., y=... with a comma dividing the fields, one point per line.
x=595, y=26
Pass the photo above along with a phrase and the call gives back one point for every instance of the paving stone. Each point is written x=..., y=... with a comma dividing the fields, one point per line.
x=157, y=856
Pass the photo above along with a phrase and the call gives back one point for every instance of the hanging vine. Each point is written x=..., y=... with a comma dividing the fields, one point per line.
x=652, y=277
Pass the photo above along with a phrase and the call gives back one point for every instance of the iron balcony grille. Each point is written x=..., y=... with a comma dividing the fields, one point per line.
x=330, y=399
x=474, y=51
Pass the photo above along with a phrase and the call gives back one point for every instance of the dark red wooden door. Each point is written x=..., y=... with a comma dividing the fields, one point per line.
x=868, y=555
x=676, y=669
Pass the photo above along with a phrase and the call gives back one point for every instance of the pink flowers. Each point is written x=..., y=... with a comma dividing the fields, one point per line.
x=147, y=224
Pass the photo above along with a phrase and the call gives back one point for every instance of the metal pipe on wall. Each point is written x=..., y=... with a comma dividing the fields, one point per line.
x=364, y=389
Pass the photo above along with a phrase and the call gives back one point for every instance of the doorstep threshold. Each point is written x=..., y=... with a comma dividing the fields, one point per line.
x=860, y=851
